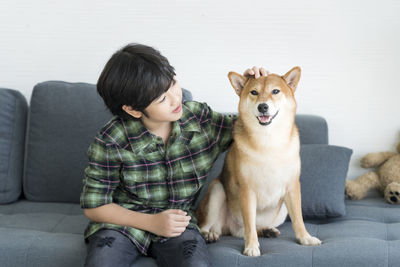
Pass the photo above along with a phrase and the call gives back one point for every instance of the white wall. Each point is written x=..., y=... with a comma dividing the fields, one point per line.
x=348, y=51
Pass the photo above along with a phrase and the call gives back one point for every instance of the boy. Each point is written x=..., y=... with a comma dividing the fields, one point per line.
x=147, y=164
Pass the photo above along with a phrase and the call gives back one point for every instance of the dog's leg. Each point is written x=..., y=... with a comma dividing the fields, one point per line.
x=293, y=203
x=248, y=207
x=215, y=208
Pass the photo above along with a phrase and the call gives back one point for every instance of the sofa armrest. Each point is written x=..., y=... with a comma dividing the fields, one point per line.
x=13, y=116
x=313, y=129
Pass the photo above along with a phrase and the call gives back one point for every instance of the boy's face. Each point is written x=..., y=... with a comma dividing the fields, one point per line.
x=166, y=108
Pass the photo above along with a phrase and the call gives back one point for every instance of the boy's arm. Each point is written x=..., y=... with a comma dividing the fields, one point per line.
x=102, y=176
x=101, y=179
x=169, y=223
x=115, y=214
x=221, y=127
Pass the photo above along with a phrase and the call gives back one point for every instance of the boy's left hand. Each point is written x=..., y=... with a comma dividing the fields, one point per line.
x=256, y=72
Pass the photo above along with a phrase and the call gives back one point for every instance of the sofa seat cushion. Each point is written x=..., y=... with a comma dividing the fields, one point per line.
x=283, y=251
x=43, y=216
x=42, y=234
x=24, y=247
x=20, y=247
x=368, y=235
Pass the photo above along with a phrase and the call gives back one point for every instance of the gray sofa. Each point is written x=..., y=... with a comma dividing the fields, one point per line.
x=43, y=154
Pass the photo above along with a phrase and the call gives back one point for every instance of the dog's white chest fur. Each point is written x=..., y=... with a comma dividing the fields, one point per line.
x=269, y=174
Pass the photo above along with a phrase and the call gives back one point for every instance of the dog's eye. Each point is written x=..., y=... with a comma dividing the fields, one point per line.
x=275, y=91
x=254, y=92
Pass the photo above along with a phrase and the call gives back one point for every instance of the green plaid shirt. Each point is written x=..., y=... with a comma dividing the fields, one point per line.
x=133, y=168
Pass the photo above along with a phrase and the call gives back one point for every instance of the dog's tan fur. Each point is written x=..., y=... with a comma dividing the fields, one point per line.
x=260, y=182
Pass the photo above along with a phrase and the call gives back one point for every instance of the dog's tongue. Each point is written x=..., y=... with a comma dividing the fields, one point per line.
x=264, y=119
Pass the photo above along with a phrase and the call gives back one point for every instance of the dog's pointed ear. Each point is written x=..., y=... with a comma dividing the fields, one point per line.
x=238, y=81
x=292, y=77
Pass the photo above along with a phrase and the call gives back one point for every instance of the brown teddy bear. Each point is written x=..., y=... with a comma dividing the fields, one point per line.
x=386, y=178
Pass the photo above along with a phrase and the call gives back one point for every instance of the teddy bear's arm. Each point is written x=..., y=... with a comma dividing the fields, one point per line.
x=373, y=160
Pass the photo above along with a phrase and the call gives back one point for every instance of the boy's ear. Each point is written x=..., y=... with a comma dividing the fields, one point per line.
x=132, y=112
x=292, y=77
x=238, y=81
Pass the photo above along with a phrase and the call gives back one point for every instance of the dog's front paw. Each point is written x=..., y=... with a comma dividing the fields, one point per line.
x=252, y=250
x=309, y=241
x=210, y=236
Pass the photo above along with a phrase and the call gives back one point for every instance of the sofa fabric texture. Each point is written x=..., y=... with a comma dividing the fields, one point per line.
x=43, y=228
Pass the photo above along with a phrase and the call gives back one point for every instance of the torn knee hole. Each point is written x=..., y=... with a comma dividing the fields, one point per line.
x=189, y=248
x=105, y=241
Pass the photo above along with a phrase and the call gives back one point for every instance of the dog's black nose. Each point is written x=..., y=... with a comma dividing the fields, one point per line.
x=263, y=108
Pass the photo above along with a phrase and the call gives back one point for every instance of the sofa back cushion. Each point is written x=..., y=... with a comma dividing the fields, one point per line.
x=313, y=129
x=13, y=113
x=63, y=120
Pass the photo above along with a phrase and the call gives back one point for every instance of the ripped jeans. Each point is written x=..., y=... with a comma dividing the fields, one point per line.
x=111, y=248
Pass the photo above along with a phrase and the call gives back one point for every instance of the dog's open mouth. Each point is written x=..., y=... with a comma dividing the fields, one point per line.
x=266, y=119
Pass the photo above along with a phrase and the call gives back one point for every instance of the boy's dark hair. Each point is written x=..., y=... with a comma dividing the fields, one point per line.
x=134, y=76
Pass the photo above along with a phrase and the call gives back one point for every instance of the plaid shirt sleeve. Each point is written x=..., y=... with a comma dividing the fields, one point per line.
x=221, y=126
x=102, y=174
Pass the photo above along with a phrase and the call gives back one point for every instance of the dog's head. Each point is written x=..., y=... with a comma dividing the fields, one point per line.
x=267, y=97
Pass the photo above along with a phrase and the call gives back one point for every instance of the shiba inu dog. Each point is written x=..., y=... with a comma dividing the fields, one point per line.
x=260, y=181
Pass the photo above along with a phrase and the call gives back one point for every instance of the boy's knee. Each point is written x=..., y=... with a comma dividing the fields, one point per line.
x=189, y=248
x=195, y=252
x=110, y=248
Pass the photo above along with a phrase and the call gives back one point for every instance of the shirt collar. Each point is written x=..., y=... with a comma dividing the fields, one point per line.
x=140, y=137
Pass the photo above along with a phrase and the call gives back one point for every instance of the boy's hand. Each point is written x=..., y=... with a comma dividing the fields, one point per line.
x=169, y=223
x=256, y=72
